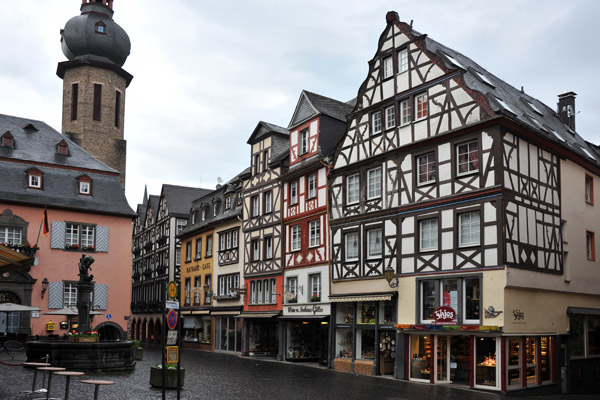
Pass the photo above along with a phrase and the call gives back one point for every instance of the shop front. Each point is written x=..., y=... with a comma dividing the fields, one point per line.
x=364, y=337
x=261, y=333
x=197, y=329
x=228, y=331
x=306, y=332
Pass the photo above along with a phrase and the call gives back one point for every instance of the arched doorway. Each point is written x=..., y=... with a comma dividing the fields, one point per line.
x=158, y=330
x=110, y=331
x=9, y=322
x=151, y=331
x=144, y=324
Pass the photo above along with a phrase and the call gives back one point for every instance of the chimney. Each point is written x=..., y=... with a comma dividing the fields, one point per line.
x=566, y=108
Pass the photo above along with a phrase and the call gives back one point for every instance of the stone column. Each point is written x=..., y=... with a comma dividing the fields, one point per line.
x=84, y=297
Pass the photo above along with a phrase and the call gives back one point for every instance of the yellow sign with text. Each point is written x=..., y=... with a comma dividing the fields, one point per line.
x=172, y=354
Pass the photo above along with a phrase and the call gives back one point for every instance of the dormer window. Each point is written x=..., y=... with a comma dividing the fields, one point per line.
x=227, y=202
x=85, y=185
x=304, y=141
x=203, y=213
x=7, y=140
x=62, y=148
x=100, y=27
x=34, y=177
x=215, y=208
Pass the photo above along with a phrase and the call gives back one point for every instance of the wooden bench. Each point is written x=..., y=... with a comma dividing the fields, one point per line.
x=96, y=382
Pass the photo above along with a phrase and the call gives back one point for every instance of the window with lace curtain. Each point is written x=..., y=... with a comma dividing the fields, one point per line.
x=467, y=156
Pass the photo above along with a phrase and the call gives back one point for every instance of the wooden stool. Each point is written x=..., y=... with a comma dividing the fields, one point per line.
x=34, y=364
x=96, y=382
x=68, y=374
x=49, y=369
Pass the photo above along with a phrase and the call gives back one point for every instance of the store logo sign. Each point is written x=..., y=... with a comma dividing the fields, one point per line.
x=444, y=315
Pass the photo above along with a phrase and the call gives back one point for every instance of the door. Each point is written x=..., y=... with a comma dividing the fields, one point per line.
x=442, y=366
x=459, y=359
x=387, y=352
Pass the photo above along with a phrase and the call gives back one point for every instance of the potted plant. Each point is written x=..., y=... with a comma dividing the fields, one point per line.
x=293, y=299
x=170, y=377
x=83, y=337
x=138, y=350
x=315, y=298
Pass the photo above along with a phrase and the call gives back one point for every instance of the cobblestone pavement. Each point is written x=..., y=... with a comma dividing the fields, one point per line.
x=225, y=376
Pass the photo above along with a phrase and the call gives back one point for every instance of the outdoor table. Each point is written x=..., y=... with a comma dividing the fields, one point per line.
x=35, y=364
x=96, y=382
x=68, y=374
x=49, y=369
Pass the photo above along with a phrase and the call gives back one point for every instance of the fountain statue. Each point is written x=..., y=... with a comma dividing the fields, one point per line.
x=84, y=294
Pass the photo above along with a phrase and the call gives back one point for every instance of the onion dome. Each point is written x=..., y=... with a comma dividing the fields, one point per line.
x=94, y=35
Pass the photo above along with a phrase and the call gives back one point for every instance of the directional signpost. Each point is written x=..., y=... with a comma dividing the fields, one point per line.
x=171, y=319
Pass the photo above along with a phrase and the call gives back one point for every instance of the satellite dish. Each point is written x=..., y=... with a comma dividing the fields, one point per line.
x=219, y=180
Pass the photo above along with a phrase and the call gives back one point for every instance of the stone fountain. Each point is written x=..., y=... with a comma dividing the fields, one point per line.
x=88, y=356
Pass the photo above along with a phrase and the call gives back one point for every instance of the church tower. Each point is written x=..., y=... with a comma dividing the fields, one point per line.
x=94, y=83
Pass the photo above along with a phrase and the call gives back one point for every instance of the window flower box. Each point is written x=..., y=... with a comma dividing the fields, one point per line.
x=72, y=247
x=315, y=298
x=293, y=299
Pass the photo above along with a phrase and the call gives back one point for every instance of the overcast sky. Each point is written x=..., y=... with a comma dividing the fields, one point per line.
x=206, y=72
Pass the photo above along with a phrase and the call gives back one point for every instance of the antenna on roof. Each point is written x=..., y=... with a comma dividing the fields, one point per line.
x=411, y=22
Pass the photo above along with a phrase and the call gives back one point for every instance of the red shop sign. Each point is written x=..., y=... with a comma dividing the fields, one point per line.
x=444, y=315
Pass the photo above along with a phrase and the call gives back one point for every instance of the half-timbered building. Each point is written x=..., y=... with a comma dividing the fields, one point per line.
x=263, y=238
x=157, y=255
x=446, y=213
x=317, y=126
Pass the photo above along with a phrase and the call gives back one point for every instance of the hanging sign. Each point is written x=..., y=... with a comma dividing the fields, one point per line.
x=172, y=319
x=444, y=315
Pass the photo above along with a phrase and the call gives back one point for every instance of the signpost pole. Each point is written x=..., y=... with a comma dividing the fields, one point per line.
x=178, y=328
x=163, y=335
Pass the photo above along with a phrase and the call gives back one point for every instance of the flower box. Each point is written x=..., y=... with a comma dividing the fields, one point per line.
x=78, y=339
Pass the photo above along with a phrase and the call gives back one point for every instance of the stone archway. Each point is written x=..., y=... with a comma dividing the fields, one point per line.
x=158, y=330
x=151, y=331
x=109, y=330
x=144, y=330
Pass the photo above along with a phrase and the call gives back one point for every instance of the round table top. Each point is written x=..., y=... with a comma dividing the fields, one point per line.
x=36, y=364
x=96, y=382
x=51, y=368
x=69, y=373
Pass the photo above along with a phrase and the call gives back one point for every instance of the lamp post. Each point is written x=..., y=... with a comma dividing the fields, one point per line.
x=390, y=274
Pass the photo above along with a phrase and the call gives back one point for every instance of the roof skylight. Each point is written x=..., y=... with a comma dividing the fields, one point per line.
x=483, y=78
x=586, y=151
x=534, y=107
x=455, y=61
x=505, y=106
x=562, y=139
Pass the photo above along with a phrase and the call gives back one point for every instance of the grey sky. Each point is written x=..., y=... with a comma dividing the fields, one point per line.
x=206, y=72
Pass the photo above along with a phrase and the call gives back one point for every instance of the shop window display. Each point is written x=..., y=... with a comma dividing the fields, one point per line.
x=263, y=338
x=365, y=344
x=546, y=344
x=343, y=343
x=366, y=313
x=513, y=365
x=387, y=313
x=302, y=340
x=485, y=359
x=531, y=360
x=344, y=313
x=420, y=359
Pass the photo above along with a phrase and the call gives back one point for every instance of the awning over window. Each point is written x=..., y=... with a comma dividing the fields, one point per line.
x=257, y=315
x=583, y=311
x=201, y=312
x=11, y=260
x=372, y=297
x=217, y=313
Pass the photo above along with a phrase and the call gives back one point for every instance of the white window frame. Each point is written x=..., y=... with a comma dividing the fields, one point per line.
x=428, y=160
x=227, y=202
x=292, y=285
x=312, y=186
x=35, y=181
x=354, y=254
x=294, y=193
x=69, y=294
x=427, y=225
x=465, y=149
x=388, y=67
x=303, y=142
x=255, y=250
x=209, y=246
x=315, y=286
x=376, y=122
x=374, y=183
x=405, y=112
x=474, y=229
x=421, y=106
x=188, y=251
x=84, y=187
x=402, y=61
x=374, y=251
x=255, y=206
x=314, y=233
x=198, y=248
x=11, y=234
x=268, y=202
x=390, y=117
x=352, y=189
x=295, y=238
x=268, y=247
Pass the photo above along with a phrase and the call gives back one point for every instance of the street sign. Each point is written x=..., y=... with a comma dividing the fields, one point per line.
x=172, y=354
x=108, y=316
x=173, y=304
x=171, y=337
x=172, y=319
x=172, y=290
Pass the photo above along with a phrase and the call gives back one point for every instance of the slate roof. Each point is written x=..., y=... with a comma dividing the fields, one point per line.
x=512, y=103
x=264, y=129
x=319, y=105
x=179, y=199
x=35, y=145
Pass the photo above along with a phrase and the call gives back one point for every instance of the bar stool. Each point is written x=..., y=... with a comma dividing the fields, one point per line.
x=96, y=382
x=49, y=369
x=68, y=374
x=34, y=364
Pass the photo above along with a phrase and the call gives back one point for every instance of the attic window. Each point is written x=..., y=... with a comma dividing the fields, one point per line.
x=227, y=202
x=85, y=185
x=587, y=152
x=505, y=106
x=484, y=78
x=7, y=140
x=562, y=139
x=34, y=179
x=534, y=107
x=455, y=62
x=62, y=148
x=100, y=27
x=537, y=123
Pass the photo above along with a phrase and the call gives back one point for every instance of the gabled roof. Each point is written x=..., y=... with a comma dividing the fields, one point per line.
x=311, y=104
x=500, y=97
x=179, y=198
x=264, y=129
x=35, y=148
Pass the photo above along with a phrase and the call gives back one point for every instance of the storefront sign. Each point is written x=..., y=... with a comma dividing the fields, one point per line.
x=444, y=315
x=315, y=309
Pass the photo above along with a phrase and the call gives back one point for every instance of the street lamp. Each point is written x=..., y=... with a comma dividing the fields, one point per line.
x=44, y=286
x=389, y=277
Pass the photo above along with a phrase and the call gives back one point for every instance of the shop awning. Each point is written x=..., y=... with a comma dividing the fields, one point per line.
x=257, y=315
x=372, y=297
x=225, y=313
x=583, y=311
x=11, y=260
x=201, y=312
x=304, y=317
